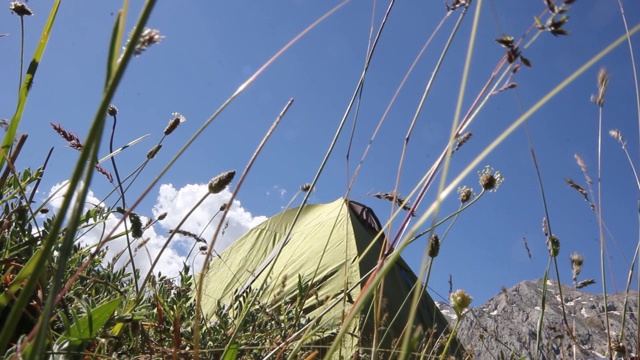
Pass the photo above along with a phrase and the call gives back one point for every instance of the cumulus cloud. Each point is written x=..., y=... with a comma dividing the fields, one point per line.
x=176, y=203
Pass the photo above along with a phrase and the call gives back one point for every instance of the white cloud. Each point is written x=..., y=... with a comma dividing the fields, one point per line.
x=176, y=203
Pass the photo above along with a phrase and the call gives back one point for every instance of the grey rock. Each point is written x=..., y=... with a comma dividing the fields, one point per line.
x=507, y=323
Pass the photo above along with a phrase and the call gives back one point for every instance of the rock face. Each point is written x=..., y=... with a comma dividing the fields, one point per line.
x=508, y=323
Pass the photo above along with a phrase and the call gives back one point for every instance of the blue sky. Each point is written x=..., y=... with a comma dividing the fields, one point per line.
x=212, y=47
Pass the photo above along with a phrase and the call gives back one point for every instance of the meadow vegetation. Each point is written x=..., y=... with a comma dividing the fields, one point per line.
x=61, y=298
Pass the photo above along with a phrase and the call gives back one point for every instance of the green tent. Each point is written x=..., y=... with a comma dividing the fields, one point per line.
x=330, y=246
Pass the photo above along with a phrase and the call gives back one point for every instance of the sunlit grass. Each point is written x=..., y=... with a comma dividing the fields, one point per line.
x=61, y=298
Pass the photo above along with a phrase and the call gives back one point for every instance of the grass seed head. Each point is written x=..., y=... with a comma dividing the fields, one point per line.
x=603, y=82
x=583, y=167
x=104, y=172
x=577, y=260
x=223, y=207
x=462, y=139
x=162, y=216
x=187, y=234
x=585, y=283
x=553, y=244
x=173, y=123
x=220, y=182
x=136, y=225
x=20, y=8
x=580, y=162
x=433, y=248
x=490, y=180
x=305, y=188
x=148, y=38
x=74, y=141
x=154, y=150
x=616, y=134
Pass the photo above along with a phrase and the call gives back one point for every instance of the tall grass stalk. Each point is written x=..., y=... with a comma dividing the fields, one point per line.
x=21, y=302
x=118, y=72
x=122, y=197
x=84, y=165
x=189, y=142
x=447, y=161
x=207, y=257
x=392, y=101
x=386, y=267
x=637, y=92
x=602, y=84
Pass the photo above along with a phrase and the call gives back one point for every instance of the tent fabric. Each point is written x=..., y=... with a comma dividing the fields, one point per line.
x=330, y=246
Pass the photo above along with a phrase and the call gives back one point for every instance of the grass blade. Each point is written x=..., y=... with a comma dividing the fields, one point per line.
x=116, y=41
x=28, y=81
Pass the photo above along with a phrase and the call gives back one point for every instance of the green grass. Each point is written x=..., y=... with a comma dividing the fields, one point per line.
x=60, y=298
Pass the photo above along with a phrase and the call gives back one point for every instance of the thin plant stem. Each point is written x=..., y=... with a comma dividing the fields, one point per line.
x=393, y=99
x=637, y=90
x=124, y=203
x=452, y=136
x=203, y=272
x=384, y=268
x=197, y=134
x=425, y=94
x=102, y=110
x=450, y=339
x=601, y=233
x=21, y=51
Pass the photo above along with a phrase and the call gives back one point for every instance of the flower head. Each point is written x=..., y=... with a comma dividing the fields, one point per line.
x=112, y=110
x=460, y=301
x=489, y=179
x=465, y=194
x=20, y=8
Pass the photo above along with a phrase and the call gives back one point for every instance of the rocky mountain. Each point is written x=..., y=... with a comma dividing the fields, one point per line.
x=507, y=324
